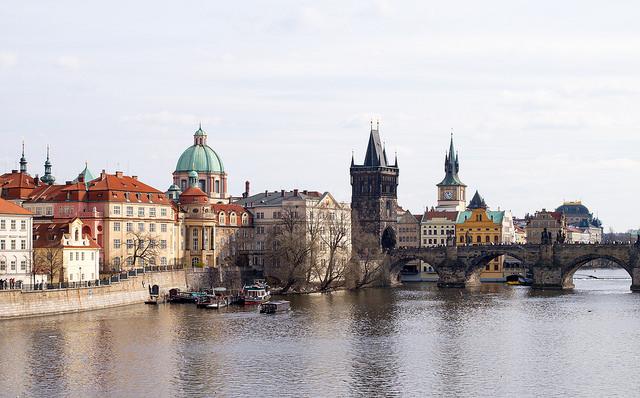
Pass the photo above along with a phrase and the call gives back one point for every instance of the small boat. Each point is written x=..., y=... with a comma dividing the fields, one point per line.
x=519, y=280
x=176, y=296
x=256, y=293
x=152, y=301
x=218, y=303
x=274, y=307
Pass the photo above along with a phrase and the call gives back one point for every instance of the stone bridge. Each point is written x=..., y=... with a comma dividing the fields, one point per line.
x=552, y=266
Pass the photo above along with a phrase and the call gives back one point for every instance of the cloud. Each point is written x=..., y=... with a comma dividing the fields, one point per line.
x=165, y=117
x=68, y=62
x=7, y=60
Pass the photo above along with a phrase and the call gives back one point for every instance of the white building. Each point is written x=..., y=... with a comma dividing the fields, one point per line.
x=65, y=252
x=16, y=242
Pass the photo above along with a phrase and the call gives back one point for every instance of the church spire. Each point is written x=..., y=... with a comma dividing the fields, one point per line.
x=23, y=161
x=47, y=178
x=451, y=166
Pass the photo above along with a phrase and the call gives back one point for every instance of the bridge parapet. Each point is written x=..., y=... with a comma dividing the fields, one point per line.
x=553, y=266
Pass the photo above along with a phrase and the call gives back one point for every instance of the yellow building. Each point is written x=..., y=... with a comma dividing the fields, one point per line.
x=480, y=226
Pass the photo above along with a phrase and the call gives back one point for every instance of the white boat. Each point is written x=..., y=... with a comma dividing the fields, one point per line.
x=218, y=302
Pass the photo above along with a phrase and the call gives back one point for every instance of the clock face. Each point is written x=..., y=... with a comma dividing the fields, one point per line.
x=448, y=195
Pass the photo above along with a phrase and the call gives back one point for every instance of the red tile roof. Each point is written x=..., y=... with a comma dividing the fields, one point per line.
x=50, y=235
x=7, y=207
x=449, y=215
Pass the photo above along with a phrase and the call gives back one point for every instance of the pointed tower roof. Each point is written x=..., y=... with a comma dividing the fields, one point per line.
x=477, y=202
x=85, y=175
x=376, y=155
x=451, y=167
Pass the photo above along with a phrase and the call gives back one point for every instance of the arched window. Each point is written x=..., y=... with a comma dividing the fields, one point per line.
x=195, y=261
x=479, y=239
x=487, y=239
x=216, y=185
x=232, y=218
x=245, y=219
x=77, y=235
x=222, y=218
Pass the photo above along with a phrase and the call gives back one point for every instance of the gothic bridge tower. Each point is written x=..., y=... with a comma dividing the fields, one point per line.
x=374, y=190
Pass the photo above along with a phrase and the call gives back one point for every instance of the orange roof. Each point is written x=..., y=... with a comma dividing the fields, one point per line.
x=193, y=191
x=7, y=207
x=228, y=207
x=16, y=180
x=448, y=215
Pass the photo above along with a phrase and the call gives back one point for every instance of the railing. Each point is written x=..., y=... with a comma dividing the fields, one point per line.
x=106, y=281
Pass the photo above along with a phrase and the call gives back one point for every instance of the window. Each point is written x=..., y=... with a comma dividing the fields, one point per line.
x=163, y=261
x=3, y=265
x=478, y=239
x=82, y=256
x=130, y=211
x=23, y=245
x=23, y=225
x=222, y=219
x=93, y=257
x=116, y=262
x=116, y=226
x=77, y=256
x=152, y=212
x=260, y=230
x=245, y=218
x=129, y=227
x=129, y=261
x=152, y=227
x=49, y=211
x=163, y=212
x=163, y=244
x=195, y=261
x=140, y=226
x=13, y=244
x=140, y=211
x=129, y=243
x=232, y=219
x=3, y=246
x=195, y=243
x=216, y=184
x=13, y=224
x=116, y=210
x=163, y=227
x=3, y=224
x=70, y=256
x=70, y=277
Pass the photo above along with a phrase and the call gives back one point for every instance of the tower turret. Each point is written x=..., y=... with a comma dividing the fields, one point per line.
x=451, y=190
x=23, y=161
x=48, y=178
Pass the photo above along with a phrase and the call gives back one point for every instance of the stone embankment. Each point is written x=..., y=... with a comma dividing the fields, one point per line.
x=19, y=304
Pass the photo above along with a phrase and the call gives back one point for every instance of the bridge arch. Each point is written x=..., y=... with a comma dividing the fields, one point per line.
x=478, y=263
x=570, y=269
x=397, y=263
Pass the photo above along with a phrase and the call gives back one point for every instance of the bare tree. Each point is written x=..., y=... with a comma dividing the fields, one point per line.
x=334, y=236
x=142, y=246
x=50, y=261
x=289, y=249
x=366, y=266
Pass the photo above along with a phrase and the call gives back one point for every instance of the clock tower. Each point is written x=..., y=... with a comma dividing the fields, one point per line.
x=451, y=191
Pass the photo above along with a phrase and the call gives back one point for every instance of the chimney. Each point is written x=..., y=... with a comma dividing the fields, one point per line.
x=103, y=174
x=246, y=189
x=305, y=192
x=282, y=193
x=266, y=192
x=295, y=192
x=36, y=181
x=67, y=182
x=119, y=174
x=14, y=171
x=135, y=177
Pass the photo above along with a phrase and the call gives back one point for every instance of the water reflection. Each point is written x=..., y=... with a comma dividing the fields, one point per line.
x=415, y=340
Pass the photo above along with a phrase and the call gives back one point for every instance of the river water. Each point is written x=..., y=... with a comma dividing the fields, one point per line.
x=416, y=340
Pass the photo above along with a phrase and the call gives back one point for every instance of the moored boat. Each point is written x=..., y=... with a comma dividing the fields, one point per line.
x=518, y=280
x=256, y=294
x=274, y=307
x=176, y=296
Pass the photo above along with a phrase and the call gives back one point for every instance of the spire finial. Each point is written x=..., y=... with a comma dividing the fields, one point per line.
x=47, y=152
x=371, y=123
x=22, y=148
x=377, y=124
x=199, y=125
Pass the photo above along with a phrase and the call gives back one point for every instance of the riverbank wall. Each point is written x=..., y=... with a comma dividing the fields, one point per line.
x=135, y=289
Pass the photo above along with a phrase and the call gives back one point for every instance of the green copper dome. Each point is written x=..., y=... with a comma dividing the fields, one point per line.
x=200, y=157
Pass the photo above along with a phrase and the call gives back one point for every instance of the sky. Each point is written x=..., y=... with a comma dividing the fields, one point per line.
x=541, y=96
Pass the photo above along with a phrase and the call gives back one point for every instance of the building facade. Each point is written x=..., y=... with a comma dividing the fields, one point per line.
x=16, y=243
x=480, y=226
x=64, y=252
x=553, y=222
x=318, y=217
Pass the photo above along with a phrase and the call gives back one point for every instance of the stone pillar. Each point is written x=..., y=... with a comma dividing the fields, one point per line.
x=452, y=275
x=635, y=279
x=547, y=276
